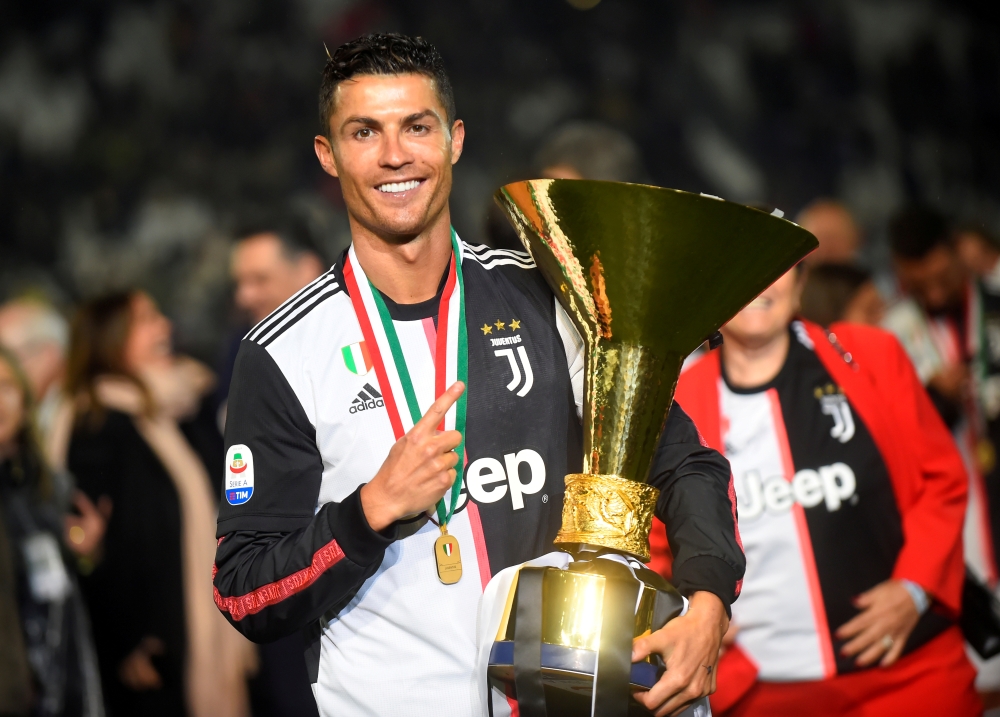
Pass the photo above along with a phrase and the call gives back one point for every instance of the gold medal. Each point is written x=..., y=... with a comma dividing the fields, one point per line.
x=448, y=557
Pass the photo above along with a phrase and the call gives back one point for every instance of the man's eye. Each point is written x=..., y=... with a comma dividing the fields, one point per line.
x=420, y=128
x=363, y=133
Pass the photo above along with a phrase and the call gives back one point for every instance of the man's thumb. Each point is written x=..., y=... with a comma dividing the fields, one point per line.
x=640, y=649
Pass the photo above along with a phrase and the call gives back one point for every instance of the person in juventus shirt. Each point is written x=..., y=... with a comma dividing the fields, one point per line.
x=851, y=497
x=352, y=403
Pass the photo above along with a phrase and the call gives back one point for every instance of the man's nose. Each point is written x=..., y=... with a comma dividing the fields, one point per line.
x=394, y=153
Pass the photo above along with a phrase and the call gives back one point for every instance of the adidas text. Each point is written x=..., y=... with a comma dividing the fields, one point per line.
x=366, y=400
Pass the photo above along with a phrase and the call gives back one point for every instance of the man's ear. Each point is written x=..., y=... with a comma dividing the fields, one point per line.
x=324, y=153
x=457, y=140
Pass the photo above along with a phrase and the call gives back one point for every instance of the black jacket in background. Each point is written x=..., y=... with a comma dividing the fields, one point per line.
x=137, y=590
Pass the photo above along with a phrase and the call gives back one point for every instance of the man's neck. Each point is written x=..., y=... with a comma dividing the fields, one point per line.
x=752, y=365
x=407, y=272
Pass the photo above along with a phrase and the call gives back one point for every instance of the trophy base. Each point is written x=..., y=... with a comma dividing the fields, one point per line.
x=569, y=672
x=567, y=668
x=567, y=635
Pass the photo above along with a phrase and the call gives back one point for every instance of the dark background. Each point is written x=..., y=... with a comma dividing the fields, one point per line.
x=135, y=136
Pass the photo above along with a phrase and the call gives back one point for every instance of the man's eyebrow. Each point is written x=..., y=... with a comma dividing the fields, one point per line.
x=417, y=116
x=367, y=121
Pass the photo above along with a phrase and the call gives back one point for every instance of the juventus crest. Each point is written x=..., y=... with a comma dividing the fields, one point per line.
x=834, y=403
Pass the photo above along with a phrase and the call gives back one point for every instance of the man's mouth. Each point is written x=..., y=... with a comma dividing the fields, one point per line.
x=397, y=187
x=761, y=302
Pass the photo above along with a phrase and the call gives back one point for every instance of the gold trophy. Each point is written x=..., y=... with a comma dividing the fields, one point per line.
x=647, y=275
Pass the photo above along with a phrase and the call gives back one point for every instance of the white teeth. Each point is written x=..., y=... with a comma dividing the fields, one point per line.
x=399, y=186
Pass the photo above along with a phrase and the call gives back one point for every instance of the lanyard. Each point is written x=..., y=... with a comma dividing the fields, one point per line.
x=451, y=357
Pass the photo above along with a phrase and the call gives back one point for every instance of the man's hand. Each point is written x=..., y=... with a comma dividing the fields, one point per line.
x=887, y=618
x=419, y=469
x=689, y=646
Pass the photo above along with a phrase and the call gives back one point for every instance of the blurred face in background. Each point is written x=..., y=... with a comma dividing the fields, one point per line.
x=148, y=343
x=767, y=317
x=11, y=407
x=838, y=234
x=25, y=329
x=561, y=171
x=936, y=281
x=392, y=148
x=265, y=275
x=976, y=252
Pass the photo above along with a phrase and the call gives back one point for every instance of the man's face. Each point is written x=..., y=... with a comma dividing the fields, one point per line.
x=937, y=281
x=392, y=148
x=265, y=276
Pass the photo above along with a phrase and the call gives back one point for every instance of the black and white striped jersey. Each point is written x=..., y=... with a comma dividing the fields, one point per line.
x=817, y=515
x=307, y=427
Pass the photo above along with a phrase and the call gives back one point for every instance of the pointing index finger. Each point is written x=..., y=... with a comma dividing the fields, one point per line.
x=435, y=414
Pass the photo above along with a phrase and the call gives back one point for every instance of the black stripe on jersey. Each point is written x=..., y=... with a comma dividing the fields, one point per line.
x=283, y=311
x=328, y=291
x=290, y=304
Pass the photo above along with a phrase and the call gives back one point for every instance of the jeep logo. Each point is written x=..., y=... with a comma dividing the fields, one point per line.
x=832, y=484
x=488, y=480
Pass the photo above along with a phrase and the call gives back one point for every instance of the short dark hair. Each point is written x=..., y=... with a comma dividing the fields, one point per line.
x=383, y=53
x=292, y=232
x=916, y=231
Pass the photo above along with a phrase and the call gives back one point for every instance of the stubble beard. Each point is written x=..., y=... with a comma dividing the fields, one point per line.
x=403, y=227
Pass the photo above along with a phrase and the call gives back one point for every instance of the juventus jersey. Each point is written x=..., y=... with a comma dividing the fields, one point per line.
x=817, y=515
x=307, y=427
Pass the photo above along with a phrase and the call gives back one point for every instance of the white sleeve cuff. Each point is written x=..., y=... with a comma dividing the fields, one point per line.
x=919, y=595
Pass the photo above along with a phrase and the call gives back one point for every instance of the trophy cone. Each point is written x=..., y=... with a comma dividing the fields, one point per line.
x=646, y=274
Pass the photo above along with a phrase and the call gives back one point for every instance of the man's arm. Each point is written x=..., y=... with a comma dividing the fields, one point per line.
x=279, y=566
x=270, y=584
x=697, y=504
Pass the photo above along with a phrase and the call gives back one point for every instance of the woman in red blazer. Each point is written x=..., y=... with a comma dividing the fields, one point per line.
x=851, y=496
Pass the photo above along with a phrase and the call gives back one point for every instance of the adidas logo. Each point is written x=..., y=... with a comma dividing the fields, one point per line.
x=367, y=399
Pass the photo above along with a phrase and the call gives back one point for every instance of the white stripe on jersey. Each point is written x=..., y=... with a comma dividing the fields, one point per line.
x=490, y=258
x=775, y=613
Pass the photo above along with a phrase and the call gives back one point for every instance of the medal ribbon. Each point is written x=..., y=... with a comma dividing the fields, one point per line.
x=451, y=357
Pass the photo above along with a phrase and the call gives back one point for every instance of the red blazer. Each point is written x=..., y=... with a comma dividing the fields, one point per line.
x=927, y=472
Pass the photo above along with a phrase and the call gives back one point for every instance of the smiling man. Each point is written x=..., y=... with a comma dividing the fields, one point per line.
x=347, y=514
